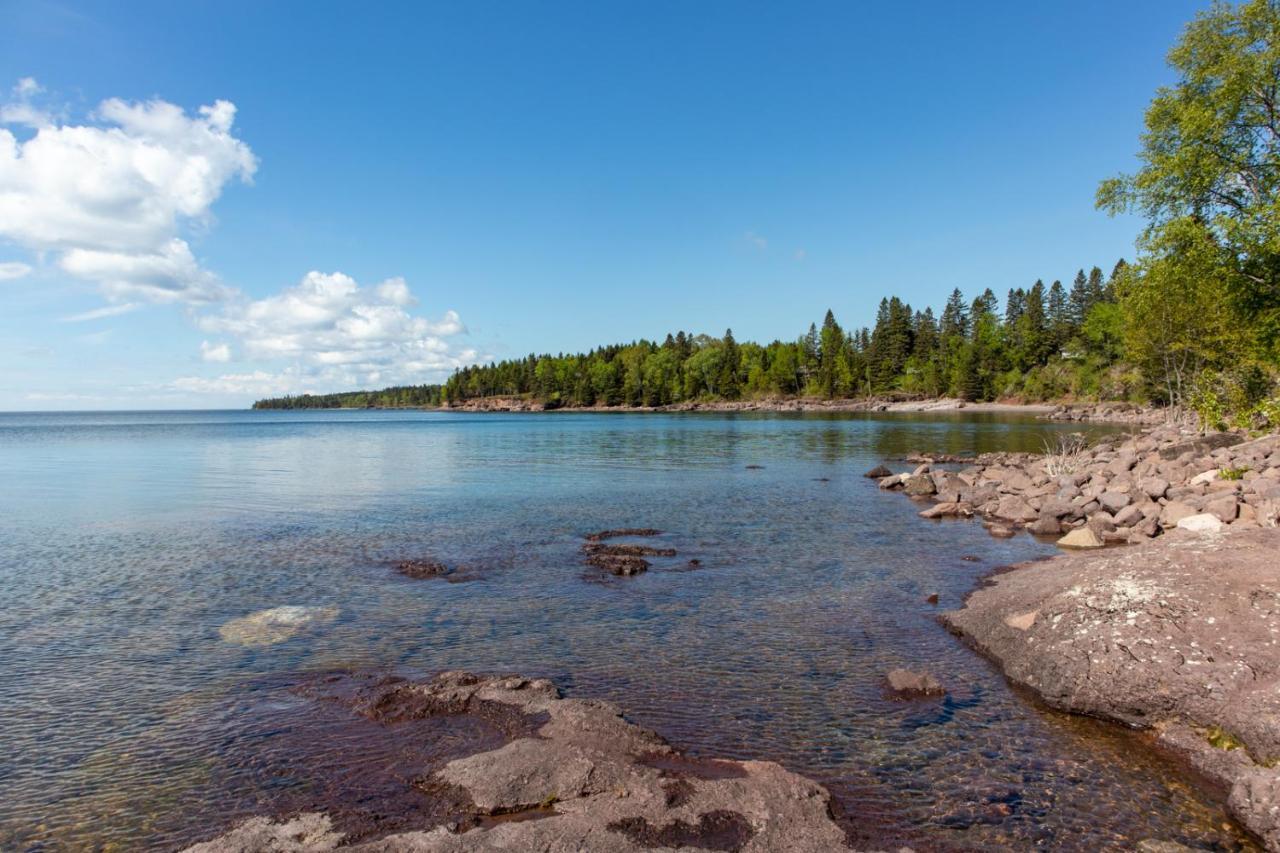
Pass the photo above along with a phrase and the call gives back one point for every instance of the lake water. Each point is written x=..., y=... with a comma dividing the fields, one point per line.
x=128, y=539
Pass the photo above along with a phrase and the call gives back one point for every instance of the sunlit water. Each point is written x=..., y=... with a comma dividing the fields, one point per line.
x=127, y=540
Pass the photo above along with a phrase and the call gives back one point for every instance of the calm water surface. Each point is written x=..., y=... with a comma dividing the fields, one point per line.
x=127, y=540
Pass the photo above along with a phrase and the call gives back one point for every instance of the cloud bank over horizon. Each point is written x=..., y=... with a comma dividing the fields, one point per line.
x=115, y=200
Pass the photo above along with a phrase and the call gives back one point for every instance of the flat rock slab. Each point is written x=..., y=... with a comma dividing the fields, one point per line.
x=584, y=779
x=1178, y=634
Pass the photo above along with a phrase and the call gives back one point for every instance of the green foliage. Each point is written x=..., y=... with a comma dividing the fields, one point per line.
x=1233, y=473
x=1205, y=293
x=1220, y=738
x=405, y=396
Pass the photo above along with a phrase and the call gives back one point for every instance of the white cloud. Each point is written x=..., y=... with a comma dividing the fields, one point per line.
x=334, y=335
x=756, y=240
x=10, y=270
x=111, y=199
x=100, y=313
x=215, y=352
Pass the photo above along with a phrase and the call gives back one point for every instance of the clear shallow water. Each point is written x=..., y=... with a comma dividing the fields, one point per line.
x=127, y=540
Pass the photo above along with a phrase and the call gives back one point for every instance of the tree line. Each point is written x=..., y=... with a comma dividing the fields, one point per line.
x=398, y=397
x=970, y=349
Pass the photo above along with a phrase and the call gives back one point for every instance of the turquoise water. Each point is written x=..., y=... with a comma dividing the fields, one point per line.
x=127, y=540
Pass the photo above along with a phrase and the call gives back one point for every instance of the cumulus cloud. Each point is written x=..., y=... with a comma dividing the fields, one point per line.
x=10, y=270
x=333, y=334
x=110, y=199
x=215, y=352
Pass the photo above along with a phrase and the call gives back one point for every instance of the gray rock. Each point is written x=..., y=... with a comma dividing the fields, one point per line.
x=1154, y=487
x=1114, y=501
x=919, y=485
x=1014, y=508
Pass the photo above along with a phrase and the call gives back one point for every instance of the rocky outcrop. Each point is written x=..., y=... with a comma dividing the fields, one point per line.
x=1162, y=479
x=1179, y=635
x=580, y=778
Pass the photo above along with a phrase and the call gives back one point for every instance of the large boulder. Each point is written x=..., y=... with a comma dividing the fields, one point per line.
x=919, y=485
x=1014, y=508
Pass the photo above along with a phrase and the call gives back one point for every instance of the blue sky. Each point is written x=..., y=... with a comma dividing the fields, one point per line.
x=557, y=175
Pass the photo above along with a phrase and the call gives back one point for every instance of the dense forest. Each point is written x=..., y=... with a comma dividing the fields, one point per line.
x=969, y=349
x=401, y=396
x=1193, y=322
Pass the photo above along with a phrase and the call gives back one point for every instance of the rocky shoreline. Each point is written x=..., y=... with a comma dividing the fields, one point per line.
x=1180, y=634
x=769, y=404
x=557, y=775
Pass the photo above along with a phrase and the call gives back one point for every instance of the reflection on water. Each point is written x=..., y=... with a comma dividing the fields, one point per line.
x=128, y=540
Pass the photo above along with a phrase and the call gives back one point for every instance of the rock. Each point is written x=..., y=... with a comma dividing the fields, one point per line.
x=1001, y=531
x=946, y=510
x=1226, y=509
x=1014, y=508
x=1176, y=635
x=1173, y=512
x=622, y=531
x=1055, y=508
x=919, y=485
x=1202, y=523
x=1113, y=502
x=906, y=683
x=893, y=482
x=1205, y=477
x=1081, y=537
x=1201, y=445
x=267, y=627
x=1129, y=516
x=1153, y=487
x=421, y=569
x=932, y=599
x=307, y=833
x=1045, y=526
x=878, y=473
x=604, y=784
x=1022, y=621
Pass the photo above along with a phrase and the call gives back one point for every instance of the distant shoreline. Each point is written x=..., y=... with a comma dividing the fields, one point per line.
x=1105, y=412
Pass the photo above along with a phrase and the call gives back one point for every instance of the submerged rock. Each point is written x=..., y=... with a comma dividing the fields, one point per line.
x=267, y=627
x=905, y=683
x=621, y=531
x=592, y=780
x=421, y=568
x=878, y=473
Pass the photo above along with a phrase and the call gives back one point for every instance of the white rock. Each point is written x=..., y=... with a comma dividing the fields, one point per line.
x=1202, y=523
x=266, y=627
x=1205, y=477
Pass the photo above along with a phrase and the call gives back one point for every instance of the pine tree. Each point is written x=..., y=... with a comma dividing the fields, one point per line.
x=1079, y=300
x=955, y=317
x=730, y=364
